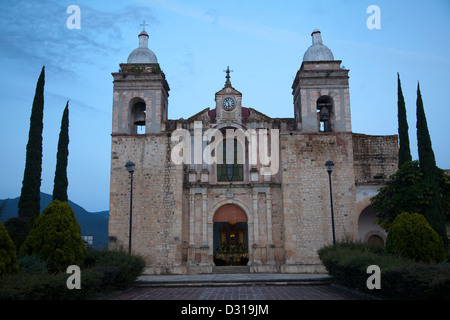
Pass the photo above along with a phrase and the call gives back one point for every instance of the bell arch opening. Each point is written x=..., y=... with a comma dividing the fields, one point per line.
x=325, y=114
x=230, y=236
x=138, y=115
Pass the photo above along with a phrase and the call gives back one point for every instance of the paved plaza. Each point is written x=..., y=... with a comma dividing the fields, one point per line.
x=250, y=286
x=286, y=292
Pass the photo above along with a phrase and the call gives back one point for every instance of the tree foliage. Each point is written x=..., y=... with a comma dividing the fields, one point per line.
x=404, y=154
x=417, y=186
x=412, y=237
x=18, y=230
x=61, y=182
x=56, y=238
x=444, y=186
x=433, y=211
x=29, y=204
x=8, y=258
x=405, y=191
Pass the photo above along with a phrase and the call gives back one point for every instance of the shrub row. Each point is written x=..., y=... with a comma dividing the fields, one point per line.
x=402, y=279
x=103, y=272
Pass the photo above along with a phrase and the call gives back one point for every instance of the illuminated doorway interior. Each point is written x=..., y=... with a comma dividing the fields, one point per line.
x=230, y=236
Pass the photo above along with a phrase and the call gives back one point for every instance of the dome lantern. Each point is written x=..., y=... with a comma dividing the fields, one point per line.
x=318, y=51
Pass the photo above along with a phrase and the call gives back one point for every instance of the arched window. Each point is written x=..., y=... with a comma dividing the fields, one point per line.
x=138, y=115
x=325, y=114
x=230, y=170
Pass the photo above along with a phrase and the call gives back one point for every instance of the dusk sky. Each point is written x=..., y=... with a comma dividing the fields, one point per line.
x=263, y=42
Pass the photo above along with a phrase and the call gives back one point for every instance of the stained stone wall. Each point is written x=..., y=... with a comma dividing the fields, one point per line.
x=157, y=201
x=376, y=158
x=306, y=200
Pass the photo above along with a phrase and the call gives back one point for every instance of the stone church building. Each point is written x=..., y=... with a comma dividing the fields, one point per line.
x=271, y=211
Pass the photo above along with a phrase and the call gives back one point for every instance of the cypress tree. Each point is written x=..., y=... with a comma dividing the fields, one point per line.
x=433, y=212
x=29, y=203
x=404, y=154
x=61, y=182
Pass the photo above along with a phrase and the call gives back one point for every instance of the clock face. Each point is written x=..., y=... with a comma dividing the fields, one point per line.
x=228, y=103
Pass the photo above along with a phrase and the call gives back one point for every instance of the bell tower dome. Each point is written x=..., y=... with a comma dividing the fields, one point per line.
x=321, y=91
x=142, y=54
x=317, y=51
x=141, y=93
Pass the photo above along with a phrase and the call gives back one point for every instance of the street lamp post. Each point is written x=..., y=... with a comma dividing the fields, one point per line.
x=329, y=164
x=130, y=167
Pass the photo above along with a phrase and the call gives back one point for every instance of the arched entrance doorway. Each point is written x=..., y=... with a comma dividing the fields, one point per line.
x=230, y=236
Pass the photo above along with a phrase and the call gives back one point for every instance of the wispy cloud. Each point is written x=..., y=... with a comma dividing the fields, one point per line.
x=210, y=15
x=415, y=56
x=36, y=32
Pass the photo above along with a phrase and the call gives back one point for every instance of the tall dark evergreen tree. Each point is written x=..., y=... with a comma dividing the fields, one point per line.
x=433, y=212
x=61, y=182
x=404, y=154
x=29, y=203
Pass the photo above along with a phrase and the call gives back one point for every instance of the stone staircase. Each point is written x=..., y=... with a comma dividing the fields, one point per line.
x=230, y=270
x=232, y=276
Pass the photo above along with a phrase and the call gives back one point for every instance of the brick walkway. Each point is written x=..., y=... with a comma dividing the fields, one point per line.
x=288, y=292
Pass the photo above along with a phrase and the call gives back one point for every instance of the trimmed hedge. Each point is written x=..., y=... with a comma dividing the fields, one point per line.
x=347, y=262
x=49, y=286
x=418, y=282
x=129, y=267
x=104, y=272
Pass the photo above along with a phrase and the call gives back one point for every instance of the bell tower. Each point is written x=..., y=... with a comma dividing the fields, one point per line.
x=321, y=91
x=141, y=93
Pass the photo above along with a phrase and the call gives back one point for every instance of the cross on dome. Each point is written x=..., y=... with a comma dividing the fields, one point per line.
x=143, y=25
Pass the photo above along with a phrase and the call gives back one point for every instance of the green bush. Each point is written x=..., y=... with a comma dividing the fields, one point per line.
x=8, y=258
x=129, y=266
x=18, y=229
x=32, y=264
x=440, y=287
x=417, y=282
x=104, y=272
x=401, y=278
x=45, y=286
x=348, y=261
x=56, y=238
x=412, y=237
x=108, y=278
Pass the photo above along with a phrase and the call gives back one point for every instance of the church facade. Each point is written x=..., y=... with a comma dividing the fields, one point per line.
x=232, y=186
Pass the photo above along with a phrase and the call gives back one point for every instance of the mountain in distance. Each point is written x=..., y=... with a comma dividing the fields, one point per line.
x=91, y=223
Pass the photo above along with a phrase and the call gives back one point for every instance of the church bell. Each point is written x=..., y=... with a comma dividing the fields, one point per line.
x=139, y=114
